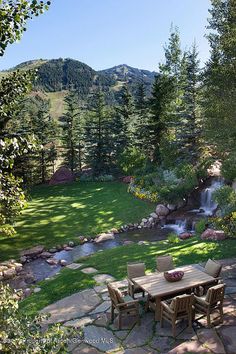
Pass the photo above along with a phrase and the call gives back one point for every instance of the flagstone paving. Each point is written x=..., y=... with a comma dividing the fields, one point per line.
x=89, y=313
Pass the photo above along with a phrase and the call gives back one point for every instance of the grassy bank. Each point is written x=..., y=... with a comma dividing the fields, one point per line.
x=113, y=261
x=56, y=214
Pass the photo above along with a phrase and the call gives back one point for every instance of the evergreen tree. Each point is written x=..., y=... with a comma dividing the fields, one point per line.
x=220, y=79
x=73, y=133
x=98, y=136
x=142, y=120
x=189, y=127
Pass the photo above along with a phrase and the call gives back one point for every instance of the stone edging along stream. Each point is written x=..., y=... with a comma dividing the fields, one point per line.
x=9, y=269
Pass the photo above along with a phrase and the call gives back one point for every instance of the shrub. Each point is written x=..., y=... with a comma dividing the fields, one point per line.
x=131, y=161
x=225, y=197
x=21, y=334
x=228, y=168
x=173, y=238
x=104, y=178
x=227, y=224
x=200, y=226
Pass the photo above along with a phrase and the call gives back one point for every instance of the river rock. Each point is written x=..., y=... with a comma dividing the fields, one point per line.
x=9, y=273
x=45, y=255
x=3, y=267
x=104, y=237
x=162, y=210
x=23, y=259
x=71, y=244
x=27, y=292
x=144, y=220
x=114, y=230
x=18, y=267
x=215, y=235
x=154, y=215
x=63, y=262
x=32, y=252
x=128, y=242
x=53, y=250
x=52, y=261
x=185, y=235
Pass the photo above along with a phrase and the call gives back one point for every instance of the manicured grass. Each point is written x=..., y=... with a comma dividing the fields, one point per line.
x=114, y=262
x=57, y=214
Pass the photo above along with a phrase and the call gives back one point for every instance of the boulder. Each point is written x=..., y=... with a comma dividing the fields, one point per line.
x=9, y=273
x=104, y=237
x=32, y=252
x=171, y=207
x=154, y=215
x=185, y=235
x=162, y=210
x=62, y=175
x=215, y=235
x=127, y=179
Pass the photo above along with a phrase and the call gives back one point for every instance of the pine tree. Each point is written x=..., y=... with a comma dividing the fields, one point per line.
x=99, y=145
x=220, y=79
x=189, y=127
x=142, y=120
x=45, y=130
x=73, y=133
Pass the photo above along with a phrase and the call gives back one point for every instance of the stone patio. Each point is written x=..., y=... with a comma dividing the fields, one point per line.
x=89, y=313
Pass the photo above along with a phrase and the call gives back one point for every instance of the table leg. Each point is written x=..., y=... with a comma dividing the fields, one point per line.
x=158, y=308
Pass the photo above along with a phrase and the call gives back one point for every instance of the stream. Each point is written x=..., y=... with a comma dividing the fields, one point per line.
x=178, y=222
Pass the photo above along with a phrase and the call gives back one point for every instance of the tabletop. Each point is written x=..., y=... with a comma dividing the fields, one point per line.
x=156, y=285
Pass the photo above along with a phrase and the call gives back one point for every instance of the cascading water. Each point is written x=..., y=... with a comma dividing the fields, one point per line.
x=208, y=206
x=178, y=227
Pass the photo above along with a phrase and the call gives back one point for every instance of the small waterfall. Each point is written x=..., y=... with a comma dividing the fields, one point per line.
x=208, y=206
x=179, y=226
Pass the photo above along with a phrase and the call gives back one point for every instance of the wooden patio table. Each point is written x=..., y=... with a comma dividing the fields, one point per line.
x=158, y=287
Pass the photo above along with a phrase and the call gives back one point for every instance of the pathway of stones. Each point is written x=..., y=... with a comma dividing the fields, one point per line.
x=88, y=312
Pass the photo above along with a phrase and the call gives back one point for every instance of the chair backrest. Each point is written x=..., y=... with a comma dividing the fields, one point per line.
x=115, y=294
x=213, y=268
x=182, y=303
x=215, y=294
x=164, y=263
x=135, y=270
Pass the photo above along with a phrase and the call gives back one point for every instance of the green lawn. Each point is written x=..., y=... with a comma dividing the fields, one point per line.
x=57, y=214
x=114, y=262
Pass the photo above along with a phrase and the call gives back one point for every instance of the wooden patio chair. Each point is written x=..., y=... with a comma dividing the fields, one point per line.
x=123, y=304
x=180, y=307
x=164, y=263
x=135, y=270
x=213, y=269
x=211, y=302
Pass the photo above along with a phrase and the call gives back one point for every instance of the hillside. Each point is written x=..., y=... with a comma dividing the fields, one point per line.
x=56, y=77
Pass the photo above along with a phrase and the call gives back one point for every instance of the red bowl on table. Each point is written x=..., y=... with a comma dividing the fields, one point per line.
x=173, y=276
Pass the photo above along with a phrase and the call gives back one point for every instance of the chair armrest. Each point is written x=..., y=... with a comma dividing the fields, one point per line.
x=167, y=307
x=201, y=301
x=130, y=282
x=123, y=304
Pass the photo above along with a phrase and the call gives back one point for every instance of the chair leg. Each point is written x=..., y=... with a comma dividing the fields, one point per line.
x=161, y=317
x=221, y=314
x=112, y=312
x=119, y=320
x=208, y=319
x=143, y=293
x=147, y=304
x=174, y=328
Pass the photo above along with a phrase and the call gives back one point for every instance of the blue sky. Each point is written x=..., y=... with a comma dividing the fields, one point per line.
x=105, y=33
